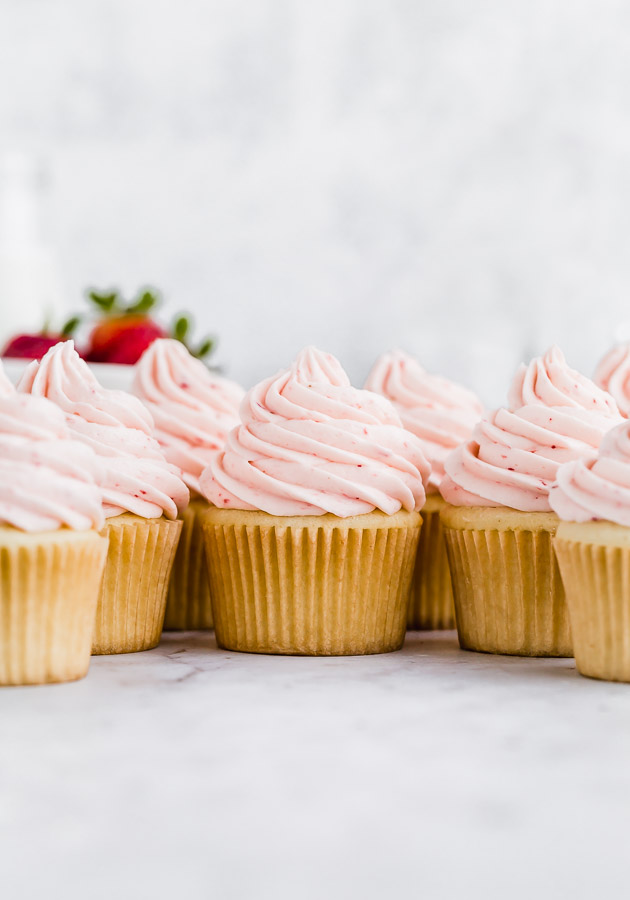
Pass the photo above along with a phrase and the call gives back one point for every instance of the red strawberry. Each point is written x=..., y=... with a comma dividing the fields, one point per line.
x=123, y=339
x=30, y=346
x=34, y=346
x=126, y=329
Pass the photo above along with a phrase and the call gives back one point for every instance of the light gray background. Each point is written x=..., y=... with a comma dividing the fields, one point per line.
x=448, y=176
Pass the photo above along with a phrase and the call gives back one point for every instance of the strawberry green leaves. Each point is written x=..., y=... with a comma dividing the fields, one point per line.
x=181, y=331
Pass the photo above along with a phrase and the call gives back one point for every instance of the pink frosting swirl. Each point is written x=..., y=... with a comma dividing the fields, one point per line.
x=548, y=381
x=47, y=480
x=135, y=476
x=613, y=375
x=515, y=453
x=310, y=444
x=6, y=388
x=588, y=490
x=193, y=409
x=438, y=411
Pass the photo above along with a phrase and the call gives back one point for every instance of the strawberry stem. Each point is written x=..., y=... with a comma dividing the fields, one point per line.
x=181, y=332
x=146, y=300
x=181, y=328
x=107, y=302
x=71, y=326
x=204, y=348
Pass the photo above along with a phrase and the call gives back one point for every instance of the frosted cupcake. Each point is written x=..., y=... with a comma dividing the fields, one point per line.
x=613, y=375
x=142, y=496
x=51, y=553
x=312, y=541
x=193, y=411
x=592, y=545
x=442, y=415
x=499, y=526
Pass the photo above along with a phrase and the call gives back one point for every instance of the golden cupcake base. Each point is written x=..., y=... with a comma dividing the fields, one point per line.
x=311, y=585
x=594, y=561
x=188, y=606
x=508, y=592
x=431, y=604
x=49, y=586
x=132, y=602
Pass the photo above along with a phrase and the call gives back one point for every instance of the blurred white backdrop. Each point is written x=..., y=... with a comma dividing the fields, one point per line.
x=449, y=177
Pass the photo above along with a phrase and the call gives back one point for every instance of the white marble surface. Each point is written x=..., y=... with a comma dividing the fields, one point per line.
x=195, y=773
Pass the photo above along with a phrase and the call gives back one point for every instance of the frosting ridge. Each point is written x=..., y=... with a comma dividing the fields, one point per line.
x=441, y=413
x=47, y=479
x=309, y=443
x=613, y=375
x=192, y=408
x=6, y=388
x=548, y=381
x=515, y=453
x=586, y=490
x=135, y=477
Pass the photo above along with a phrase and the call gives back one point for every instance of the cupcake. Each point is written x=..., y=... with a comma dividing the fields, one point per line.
x=51, y=553
x=592, y=544
x=613, y=375
x=142, y=496
x=498, y=524
x=314, y=524
x=193, y=411
x=442, y=415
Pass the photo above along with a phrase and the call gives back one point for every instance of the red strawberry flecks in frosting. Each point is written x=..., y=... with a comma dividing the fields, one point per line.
x=438, y=411
x=309, y=443
x=117, y=427
x=548, y=381
x=515, y=454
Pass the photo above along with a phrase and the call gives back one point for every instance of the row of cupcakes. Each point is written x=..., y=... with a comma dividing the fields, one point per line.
x=308, y=507
x=496, y=488
x=499, y=520
x=89, y=510
x=538, y=533
x=304, y=436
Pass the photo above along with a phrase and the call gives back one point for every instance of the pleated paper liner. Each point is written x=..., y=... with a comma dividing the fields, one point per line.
x=188, y=606
x=594, y=560
x=49, y=586
x=132, y=602
x=506, y=582
x=313, y=585
x=431, y=601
